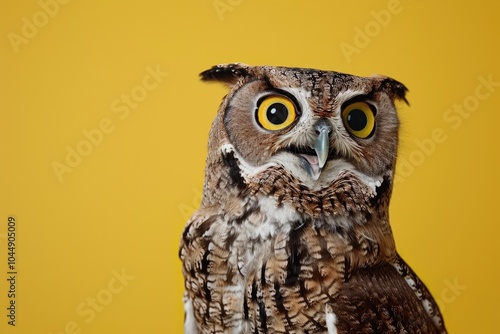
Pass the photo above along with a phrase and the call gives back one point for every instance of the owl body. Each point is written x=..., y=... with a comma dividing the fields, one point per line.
x=293, y=232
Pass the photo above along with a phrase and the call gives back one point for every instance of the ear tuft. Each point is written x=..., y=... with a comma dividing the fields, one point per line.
x=227, y=73
x=395, y=88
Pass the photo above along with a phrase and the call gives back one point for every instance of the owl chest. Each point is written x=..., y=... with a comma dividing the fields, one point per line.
x=258, y=245
x=271, y=270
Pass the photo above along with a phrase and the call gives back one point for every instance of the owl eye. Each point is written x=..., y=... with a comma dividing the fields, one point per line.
x=276, y=112
x=359, y=119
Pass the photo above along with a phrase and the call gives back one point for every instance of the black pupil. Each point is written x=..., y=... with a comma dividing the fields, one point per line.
x=277, y=113
x=357, y=120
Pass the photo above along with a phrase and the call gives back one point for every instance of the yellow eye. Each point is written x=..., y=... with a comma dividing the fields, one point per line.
x=359, y=119
x=276, y=112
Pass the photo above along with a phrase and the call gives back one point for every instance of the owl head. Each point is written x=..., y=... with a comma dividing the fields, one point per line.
x=308, y=131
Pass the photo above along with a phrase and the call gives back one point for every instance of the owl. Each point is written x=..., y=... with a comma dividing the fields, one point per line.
x=293, y=234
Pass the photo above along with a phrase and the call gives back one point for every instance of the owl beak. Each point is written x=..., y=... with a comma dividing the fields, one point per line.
x=322, y=146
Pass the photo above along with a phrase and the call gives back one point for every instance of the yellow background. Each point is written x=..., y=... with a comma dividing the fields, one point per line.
x=122, y=208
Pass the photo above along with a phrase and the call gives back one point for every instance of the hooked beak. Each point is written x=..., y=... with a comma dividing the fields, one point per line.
x=314, y=163
x=322, y=146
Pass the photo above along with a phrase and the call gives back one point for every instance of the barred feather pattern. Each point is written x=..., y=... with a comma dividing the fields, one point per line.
x=250, y=271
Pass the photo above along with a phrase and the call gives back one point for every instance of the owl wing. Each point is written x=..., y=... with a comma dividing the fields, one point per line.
x=421, y=292
x=387, y=298
x=193, y=254
x=208, y=271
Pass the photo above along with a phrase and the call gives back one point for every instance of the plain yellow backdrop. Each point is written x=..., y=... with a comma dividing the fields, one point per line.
x=104, y=123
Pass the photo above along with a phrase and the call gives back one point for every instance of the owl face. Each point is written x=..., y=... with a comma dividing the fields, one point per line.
x=313, y=124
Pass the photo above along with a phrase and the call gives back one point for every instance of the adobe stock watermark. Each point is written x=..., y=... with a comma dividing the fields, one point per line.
x=453, y=117
x=121, y=107
x=30, y=26
x=450, y=293
x=371, y=29
x=187, y=210
x=89, y=309
x=223, y=6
